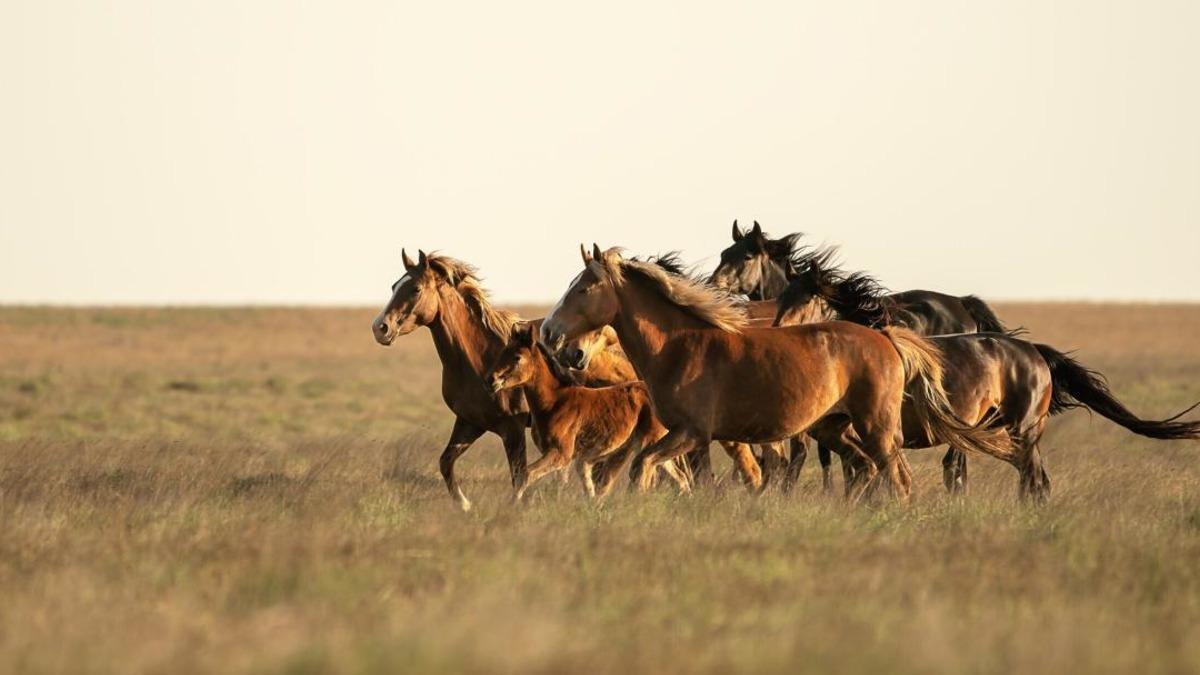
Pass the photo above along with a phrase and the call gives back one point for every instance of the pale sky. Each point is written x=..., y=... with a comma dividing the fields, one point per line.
x=283, y=152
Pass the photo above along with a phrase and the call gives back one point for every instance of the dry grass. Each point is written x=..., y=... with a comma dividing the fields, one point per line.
x=256, y=491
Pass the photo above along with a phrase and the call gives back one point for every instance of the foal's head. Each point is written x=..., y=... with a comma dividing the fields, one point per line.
x=754, y=264
x=419, y=297
x=514, y=367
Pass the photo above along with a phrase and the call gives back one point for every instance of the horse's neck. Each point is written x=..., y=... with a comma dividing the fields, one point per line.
x=855, y=312
x=543, y=388
x=646, y=322
x=772, y=281
x=463, y=343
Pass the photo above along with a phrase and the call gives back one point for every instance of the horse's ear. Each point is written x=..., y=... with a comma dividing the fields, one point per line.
x=597, y=254
x=756, y=231
x=409, y=265
x=737, y=231
x=584, y=254
x=522, y=332
x=420, y=257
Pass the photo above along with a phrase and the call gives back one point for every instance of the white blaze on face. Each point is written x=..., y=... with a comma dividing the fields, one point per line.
x=395, y=289
x=557, y=306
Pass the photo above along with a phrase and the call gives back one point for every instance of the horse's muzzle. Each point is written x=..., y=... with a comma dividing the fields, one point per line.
x=383, y=335
x=576, y=358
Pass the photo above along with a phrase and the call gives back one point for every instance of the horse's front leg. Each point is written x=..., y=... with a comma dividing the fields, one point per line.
x=512, y=433
x=461, y=439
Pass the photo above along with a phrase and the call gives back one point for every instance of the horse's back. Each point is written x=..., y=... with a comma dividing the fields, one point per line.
x=934, y=313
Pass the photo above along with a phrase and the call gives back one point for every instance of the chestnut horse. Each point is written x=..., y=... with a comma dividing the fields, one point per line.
x=444, y=294
x=710, y=376
x=993, y=378
x=580, y=424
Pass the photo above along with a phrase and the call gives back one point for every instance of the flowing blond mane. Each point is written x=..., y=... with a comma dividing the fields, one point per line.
x=464, y=278
x=707, y=303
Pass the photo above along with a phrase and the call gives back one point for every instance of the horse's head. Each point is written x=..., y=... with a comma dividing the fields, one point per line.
x=578, y=353
x=514, y=366
x=415, y=298
x=753, y=262
x=589, y=302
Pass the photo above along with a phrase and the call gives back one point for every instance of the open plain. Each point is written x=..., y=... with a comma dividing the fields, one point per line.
x=256, y=490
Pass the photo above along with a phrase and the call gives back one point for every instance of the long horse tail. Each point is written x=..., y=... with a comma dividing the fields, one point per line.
x=923, y=367
x=1076, y=386
x=984, y=317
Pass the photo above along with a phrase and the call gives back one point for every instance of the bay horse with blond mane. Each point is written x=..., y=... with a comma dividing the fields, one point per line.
x=710, y=376
x=444, y=294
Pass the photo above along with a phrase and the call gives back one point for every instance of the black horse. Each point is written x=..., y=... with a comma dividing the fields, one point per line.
x=819, y=290
x=994, y=378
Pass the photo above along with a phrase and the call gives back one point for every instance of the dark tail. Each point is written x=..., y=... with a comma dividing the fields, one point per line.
x=1075, y=386
x=984, y=317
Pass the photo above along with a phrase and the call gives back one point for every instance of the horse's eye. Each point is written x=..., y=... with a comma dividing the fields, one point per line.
x=749, y=256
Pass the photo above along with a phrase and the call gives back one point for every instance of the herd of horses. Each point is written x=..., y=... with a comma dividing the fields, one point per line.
x=643, y=360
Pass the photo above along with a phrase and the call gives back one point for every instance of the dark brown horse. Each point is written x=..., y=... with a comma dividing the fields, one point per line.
x=819, y=291
x=756, y=265
x=712, y=377
x=578, y=424
x=444, y=294
x=990, y=378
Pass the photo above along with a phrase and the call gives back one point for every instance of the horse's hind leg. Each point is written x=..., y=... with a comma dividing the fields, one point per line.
x=744, y=464
x=879, y=430
x=772, y=461
x=1035, y=482
x=700, y=466
x=674, y=444
x=799, y=446
x=461, y=438
x=825, y=457
x=584, y=469
x=954, y=471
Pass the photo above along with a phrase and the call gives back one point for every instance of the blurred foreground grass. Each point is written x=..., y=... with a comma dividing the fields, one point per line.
x=256, y=490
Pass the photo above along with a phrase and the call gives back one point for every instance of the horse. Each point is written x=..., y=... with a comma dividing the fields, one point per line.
x=746, y=465
x=761, y=268
x=711, y=376
x=444, y=294
x=756, y=265
x=820, y=291
x=993, y=379
x=580, y=424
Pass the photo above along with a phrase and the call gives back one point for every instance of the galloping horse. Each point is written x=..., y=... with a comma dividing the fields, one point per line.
x=444, y=294
x=819, y=291
x=993, y=378
x=710, y=376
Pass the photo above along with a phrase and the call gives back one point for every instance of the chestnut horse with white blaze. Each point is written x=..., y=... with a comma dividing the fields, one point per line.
x=711, y=376
x=444, y=294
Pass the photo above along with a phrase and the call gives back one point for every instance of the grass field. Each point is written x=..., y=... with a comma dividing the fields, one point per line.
x=256, y=490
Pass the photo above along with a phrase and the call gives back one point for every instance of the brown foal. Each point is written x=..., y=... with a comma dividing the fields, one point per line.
x=580, y=424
